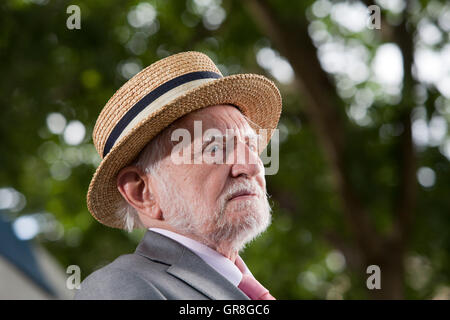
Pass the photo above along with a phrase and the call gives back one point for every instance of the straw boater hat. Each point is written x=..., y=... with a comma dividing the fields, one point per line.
x=154, y=98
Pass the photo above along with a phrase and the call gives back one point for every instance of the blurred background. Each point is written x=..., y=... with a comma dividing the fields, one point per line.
x=364, y=172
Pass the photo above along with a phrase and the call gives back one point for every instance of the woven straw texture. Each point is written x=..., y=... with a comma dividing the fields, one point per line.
x=256, y=96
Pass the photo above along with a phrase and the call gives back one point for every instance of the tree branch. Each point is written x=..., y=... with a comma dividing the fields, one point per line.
x=405, y=205
x=294, y=43
x=402, y=36
x=352, y=255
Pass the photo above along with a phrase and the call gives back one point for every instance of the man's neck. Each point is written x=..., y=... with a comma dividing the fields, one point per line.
x=228, y=252
x=224, y=249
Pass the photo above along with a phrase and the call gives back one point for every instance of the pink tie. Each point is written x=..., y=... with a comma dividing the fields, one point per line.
x=253, y=289
x=250, y=286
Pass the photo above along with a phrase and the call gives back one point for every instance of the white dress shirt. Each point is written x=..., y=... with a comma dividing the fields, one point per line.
x=218, y=262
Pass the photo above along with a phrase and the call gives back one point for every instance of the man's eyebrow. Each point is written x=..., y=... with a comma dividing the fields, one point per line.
x=210, y=139
x=216, y=137
x=252, y=136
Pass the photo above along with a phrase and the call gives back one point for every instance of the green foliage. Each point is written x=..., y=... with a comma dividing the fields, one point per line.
x=47, y=68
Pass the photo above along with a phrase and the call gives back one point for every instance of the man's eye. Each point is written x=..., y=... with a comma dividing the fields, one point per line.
x=213, y=149
x=252, y=147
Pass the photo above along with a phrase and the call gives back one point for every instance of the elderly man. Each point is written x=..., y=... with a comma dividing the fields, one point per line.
x=199, y=212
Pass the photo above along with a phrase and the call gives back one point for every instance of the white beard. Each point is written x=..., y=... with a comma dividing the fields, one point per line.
x=232, y=225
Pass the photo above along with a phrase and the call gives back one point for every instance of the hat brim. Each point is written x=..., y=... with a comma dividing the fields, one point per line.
x=256, y=96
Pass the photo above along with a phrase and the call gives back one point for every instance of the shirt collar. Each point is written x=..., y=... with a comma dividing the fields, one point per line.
x=218, y=262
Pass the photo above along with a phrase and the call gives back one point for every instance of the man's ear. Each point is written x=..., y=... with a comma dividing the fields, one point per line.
x=137, y=189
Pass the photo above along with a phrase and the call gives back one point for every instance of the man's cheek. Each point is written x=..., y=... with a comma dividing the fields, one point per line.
x=261, y=181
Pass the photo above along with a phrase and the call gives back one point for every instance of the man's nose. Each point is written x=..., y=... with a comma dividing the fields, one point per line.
x=246, y=161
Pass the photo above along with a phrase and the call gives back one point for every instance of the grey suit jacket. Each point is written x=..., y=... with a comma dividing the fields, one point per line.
x=159, y=269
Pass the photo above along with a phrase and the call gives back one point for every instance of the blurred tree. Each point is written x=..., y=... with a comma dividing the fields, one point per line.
x=355, y=141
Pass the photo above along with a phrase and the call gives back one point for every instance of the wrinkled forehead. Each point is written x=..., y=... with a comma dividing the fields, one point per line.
x=225, y=118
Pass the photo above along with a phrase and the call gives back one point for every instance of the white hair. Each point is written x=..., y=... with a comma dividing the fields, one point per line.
x=148, y=161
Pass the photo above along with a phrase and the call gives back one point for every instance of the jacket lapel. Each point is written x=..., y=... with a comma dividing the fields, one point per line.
x=188, y=267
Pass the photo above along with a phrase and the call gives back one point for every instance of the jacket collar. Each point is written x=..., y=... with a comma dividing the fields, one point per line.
x=187, y=266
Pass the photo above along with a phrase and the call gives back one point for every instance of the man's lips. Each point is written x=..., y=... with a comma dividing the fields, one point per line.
x=242, y=195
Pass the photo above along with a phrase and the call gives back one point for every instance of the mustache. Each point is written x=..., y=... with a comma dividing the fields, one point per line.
x=243, y=186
